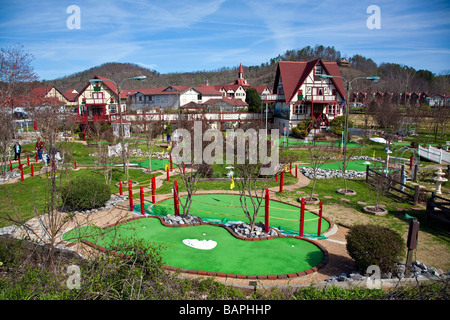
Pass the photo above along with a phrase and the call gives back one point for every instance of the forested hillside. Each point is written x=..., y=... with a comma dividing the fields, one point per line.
x=394, y=77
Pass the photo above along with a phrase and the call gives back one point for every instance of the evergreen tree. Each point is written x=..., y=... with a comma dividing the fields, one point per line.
x=253, y=100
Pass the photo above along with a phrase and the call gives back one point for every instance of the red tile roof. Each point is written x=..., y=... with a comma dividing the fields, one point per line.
x=234, y=102
x=71, y=94
x=208, y=90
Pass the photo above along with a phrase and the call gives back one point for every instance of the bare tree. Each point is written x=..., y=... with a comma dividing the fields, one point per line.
x=6, y=137
x=16, y=74
x=318, y=156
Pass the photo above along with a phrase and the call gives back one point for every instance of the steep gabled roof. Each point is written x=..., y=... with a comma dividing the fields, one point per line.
x=71, y=94
x=294, y=73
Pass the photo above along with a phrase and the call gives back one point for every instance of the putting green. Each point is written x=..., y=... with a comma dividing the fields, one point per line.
x=157, y=164
x=226, y=207
x=231, y=255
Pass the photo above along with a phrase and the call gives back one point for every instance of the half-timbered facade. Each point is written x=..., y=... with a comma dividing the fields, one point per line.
x=300, y=93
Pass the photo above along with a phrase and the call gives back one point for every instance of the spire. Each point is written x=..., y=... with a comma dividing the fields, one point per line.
x=241, y=71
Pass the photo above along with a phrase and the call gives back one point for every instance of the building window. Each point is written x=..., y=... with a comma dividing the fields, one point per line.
x=300, y=109
x=112, y=108
x=332, y=109
x=318, y=70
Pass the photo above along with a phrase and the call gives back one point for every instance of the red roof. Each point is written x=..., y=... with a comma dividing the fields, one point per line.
x=294, y=73
x=208, y=90
x=71, y=94
x=234, y=102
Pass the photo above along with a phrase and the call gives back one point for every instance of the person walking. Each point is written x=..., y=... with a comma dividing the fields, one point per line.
x=17, y=150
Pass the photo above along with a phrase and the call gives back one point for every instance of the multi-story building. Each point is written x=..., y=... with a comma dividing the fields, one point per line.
x=299, y=93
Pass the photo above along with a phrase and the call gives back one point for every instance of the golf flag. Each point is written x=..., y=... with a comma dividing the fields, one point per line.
x=166, y=167
x=169, y=148
x=232, y=184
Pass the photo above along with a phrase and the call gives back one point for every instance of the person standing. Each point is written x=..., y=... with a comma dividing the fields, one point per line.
x=39, y=148
x=17, y=150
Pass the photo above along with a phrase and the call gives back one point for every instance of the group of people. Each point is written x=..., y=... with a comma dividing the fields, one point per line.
x=52, y=154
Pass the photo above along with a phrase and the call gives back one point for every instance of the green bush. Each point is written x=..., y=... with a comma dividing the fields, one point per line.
x=300, y=129
x=375, y=245
x=85, y=193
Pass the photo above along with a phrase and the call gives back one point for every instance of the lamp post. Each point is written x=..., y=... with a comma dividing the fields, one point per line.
x=121, y=136
x=349, y=87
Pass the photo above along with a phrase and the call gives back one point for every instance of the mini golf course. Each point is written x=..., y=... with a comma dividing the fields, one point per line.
x=276, y=257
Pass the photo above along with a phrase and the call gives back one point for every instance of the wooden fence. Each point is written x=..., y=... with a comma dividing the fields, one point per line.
x=438, y=208
x=393, y=186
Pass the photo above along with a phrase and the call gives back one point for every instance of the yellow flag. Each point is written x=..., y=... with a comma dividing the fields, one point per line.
x=169, y=148
x=166, y=167
x=232, y=184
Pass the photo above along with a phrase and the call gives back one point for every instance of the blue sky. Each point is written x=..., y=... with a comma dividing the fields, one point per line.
x=196, y=35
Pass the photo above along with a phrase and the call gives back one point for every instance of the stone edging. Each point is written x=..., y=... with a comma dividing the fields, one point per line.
x=324, y=262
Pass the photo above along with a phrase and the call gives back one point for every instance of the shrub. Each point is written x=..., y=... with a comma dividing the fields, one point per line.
x=300, y=129
x=375, y=245
x=205, y=170
x=85, y=193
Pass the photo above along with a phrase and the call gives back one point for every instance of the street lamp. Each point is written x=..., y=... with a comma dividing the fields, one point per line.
x=371, y=78
x=141, y=78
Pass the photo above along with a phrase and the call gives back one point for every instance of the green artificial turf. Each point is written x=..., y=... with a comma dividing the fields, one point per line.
x=231, y=255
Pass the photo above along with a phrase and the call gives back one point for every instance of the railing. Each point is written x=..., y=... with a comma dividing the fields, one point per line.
x=438, y=208
x=91, y=101
x=434, y=154
x=273, y=97
x=382, y=181
x=324, y=98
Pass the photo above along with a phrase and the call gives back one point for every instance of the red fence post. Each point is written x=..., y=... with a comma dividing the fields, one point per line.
x=411, y=162
x=32, y=170
x=171, y=163
x=130, y=195
x=120, y=188
x=276, y=177
x=142, y=201
x=10, y=165
x=302, y=218
x=153, y=189
x=75, y=163
x=28, y=160
x=296, y=171
x=320, y=219
x=266, y=222
x=21, y=172
x=167, y=174
x=36, y=157
x=281, y=181
x=175, y=198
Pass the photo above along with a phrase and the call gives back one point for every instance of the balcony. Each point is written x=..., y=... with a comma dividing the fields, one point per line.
x=92, y=101
x=273, y=97
x=95, y=118
x=316, y=98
